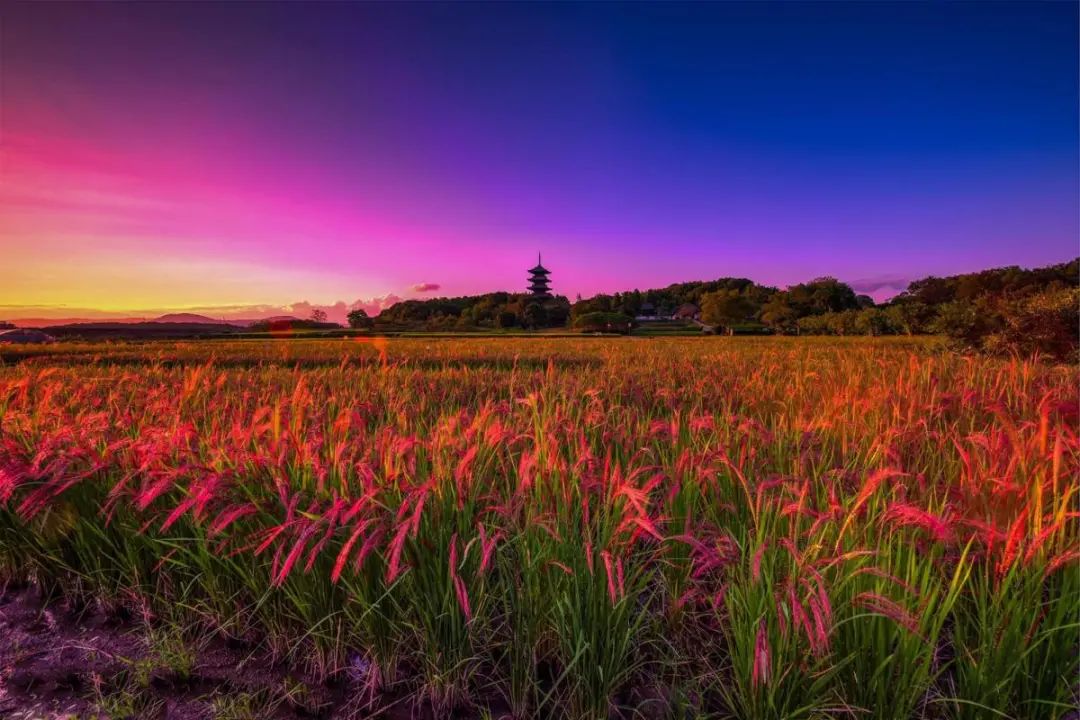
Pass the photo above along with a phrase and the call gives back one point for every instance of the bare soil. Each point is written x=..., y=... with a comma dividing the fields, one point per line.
x=59, y=660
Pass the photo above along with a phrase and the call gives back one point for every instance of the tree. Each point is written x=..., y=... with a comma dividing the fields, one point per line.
x=966, y=323
x=825, y=294
x=873, y=321
x=359, y=320
x=535, y=316
x=778, y=313
x=318, y=315
x=816, y=325
x=909, y=317
x=599, y=303
x=506, y=319
x=1006, y=281
x=725, y=308
x=558, y=312
x=1045, y=323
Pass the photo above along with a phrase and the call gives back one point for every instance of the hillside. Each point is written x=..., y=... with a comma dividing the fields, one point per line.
x=190, y=318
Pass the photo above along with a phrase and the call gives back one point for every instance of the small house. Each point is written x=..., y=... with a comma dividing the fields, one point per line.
x=647, y=312
x=687, y=311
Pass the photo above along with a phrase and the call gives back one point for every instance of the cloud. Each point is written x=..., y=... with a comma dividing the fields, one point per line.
x=376, y=305
x=43, y=315
x=880, y=282
x=426, y=287
x=880, y=287
x=335, y=312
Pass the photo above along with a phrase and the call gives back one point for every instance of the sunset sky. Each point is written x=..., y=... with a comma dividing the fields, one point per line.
x=246, y=159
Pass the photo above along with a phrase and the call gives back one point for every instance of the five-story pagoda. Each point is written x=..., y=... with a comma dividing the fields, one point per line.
x=539, y=285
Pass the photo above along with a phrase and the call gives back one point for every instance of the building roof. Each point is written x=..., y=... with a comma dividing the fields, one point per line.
x=687, y=309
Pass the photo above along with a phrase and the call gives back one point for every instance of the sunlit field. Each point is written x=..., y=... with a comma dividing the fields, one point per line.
x=562, y=528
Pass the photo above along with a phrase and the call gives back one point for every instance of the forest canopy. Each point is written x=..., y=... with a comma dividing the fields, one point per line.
x=1000, y=310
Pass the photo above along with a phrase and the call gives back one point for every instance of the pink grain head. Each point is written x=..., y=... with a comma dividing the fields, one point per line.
x=760, y=672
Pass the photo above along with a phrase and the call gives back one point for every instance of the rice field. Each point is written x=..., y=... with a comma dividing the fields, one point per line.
x=582, y=529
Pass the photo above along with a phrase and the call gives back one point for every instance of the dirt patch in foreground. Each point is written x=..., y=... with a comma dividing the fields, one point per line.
x=60, y=660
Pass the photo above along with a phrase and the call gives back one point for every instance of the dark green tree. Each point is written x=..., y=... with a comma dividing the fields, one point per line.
x=506, y=319
x=778, y=314
x=359, y=320
x=535, y=316
x=725, y=308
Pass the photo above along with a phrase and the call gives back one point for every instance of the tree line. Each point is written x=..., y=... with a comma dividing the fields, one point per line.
x=497, y=310
x=998, y=310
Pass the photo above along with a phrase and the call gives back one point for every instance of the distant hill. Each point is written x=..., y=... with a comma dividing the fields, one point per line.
x=190, y=318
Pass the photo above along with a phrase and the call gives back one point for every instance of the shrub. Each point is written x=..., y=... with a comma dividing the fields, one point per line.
x=608, y=322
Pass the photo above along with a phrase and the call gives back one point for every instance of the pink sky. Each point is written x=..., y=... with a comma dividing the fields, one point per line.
x=92, y=228
x=253, y=159
x=96, y=231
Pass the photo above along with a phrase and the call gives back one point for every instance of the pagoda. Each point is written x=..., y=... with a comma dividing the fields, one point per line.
x=539, y=285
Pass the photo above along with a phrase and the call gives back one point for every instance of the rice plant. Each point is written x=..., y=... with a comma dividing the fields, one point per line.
x=594, y=528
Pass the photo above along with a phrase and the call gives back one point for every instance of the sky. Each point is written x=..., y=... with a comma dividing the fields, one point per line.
x=249, y=159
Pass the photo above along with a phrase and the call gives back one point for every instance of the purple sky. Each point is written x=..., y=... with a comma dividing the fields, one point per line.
x=244, y=158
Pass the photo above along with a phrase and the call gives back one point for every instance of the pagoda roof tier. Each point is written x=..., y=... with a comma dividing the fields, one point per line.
x=539, y=270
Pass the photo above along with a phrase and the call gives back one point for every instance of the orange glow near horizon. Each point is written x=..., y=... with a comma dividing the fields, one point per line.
x=154, y=159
